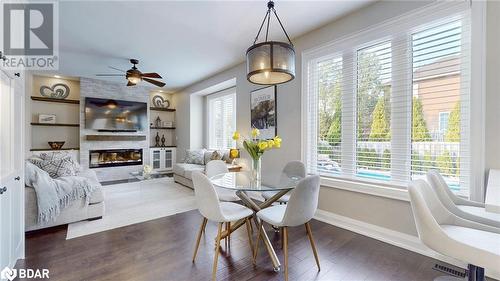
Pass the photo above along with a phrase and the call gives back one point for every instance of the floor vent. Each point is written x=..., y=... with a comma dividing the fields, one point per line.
x=450, y=271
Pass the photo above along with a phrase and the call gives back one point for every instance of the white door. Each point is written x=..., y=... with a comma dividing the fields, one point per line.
x=11, y=171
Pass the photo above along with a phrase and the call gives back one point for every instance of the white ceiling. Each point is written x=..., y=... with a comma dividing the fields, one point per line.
x=184, y=41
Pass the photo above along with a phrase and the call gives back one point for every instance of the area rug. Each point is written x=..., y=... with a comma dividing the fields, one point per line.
x=131, y=203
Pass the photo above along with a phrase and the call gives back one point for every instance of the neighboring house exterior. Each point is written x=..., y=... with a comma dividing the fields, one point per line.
x=437, y=86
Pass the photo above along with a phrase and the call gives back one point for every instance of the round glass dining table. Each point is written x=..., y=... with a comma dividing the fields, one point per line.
x=241, y=183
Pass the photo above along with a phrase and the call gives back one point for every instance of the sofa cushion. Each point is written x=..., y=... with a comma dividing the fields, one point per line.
x=186, y=170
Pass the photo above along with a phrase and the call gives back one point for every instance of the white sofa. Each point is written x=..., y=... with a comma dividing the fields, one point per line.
x=79, y=210
x=183, y=171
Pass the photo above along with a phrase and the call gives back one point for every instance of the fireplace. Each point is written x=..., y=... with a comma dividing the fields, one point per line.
x=114, y=158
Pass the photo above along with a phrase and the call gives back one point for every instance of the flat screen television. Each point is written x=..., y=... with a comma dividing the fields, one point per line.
x=115, y=115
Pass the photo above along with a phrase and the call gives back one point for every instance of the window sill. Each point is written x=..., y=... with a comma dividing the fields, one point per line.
x=392, y=192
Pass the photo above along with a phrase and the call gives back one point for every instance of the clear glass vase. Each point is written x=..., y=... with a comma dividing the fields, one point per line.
x=256, y=170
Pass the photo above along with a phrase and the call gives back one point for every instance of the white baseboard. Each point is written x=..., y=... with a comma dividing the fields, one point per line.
x=389, y=236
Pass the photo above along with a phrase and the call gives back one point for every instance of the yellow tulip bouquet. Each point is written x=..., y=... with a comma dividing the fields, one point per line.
x=256, y=148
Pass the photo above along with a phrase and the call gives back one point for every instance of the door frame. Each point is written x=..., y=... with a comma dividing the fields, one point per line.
x=18, y=86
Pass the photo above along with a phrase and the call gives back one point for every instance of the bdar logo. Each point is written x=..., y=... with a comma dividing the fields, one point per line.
x=9, y=274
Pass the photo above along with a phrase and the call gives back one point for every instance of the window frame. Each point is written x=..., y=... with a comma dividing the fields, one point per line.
x=379, y=33
x=208, y=99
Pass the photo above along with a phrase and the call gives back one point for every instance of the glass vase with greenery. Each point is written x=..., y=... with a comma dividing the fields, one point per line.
x=256, y=148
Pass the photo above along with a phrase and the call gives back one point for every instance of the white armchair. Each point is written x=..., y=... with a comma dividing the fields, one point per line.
x=211, y=209
x=292, y=168
x=466, y=209
x=216, y=167
x=453, y=236
x=299, y=211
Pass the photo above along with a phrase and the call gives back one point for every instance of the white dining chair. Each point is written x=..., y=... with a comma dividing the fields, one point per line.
x=291, y=169
x=212, y=209
x=216, y=167
x=446, y=233
x=470, y=210
x=299, y=210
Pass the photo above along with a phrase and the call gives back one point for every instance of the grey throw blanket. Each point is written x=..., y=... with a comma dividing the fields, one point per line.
x=53, y=195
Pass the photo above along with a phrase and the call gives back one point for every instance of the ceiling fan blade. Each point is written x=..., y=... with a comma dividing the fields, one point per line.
x=110, y=75
x=151, y=75
x=154, y=82
x=130, y=84
x=116, y=68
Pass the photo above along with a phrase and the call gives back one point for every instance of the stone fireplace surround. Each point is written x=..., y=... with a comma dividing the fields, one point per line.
x=104, y=89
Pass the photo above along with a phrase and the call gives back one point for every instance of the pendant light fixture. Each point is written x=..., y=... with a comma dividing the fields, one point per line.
x=270, y=62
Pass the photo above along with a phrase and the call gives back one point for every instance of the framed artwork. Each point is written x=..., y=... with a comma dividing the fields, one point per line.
x=263, y=111
x=46, y=118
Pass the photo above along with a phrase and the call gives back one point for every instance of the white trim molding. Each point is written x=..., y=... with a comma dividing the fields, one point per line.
x=389, y=236
x=392, y=192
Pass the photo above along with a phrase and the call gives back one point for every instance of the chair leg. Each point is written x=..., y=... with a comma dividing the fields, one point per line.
x=228, y=237
x=257, y=242
x=285, y=250
x=282, y=238
x=202, y=229
x=216, y=255
x=249, y=232
x=313, y=246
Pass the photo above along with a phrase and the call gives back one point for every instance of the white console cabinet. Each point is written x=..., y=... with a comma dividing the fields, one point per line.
x=162, y=158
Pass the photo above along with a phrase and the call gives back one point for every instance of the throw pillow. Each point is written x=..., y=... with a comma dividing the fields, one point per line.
x=216, y=155
x=226, y=157
x=57, y=167
x=54, y=155
x=58, y=155
x=194, y=156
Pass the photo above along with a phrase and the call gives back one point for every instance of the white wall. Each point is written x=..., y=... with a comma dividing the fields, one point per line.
x=492, y=133
x=389, y=213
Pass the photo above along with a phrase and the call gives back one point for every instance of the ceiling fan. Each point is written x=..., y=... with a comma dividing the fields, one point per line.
x=134, y=75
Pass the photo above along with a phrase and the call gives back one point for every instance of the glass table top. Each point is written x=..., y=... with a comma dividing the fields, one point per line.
x=244, y=181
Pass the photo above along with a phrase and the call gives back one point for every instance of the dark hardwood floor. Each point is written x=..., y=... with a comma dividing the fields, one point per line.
x=161, y=250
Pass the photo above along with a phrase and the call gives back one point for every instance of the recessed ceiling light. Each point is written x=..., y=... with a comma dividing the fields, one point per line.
x=57, y=76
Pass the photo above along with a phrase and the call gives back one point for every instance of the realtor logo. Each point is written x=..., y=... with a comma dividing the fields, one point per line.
x=24, y=273
x=30, y=35
x=8, y=274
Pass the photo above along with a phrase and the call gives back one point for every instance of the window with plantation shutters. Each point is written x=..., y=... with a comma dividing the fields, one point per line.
x=221, y=112
x=388, y=104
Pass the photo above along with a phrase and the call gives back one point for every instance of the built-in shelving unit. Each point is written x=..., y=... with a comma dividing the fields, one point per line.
x=162, y=128
x=115, y=137
x=66, y=111
x=167, y=146
x=54, y=100
x=54, y=124
x=64, y=148
x=162, y=109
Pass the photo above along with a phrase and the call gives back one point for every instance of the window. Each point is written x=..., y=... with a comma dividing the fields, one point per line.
x=330, y=114
x=221, y=112
x=388, y=104
x=373, y=110
x=443, y=123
